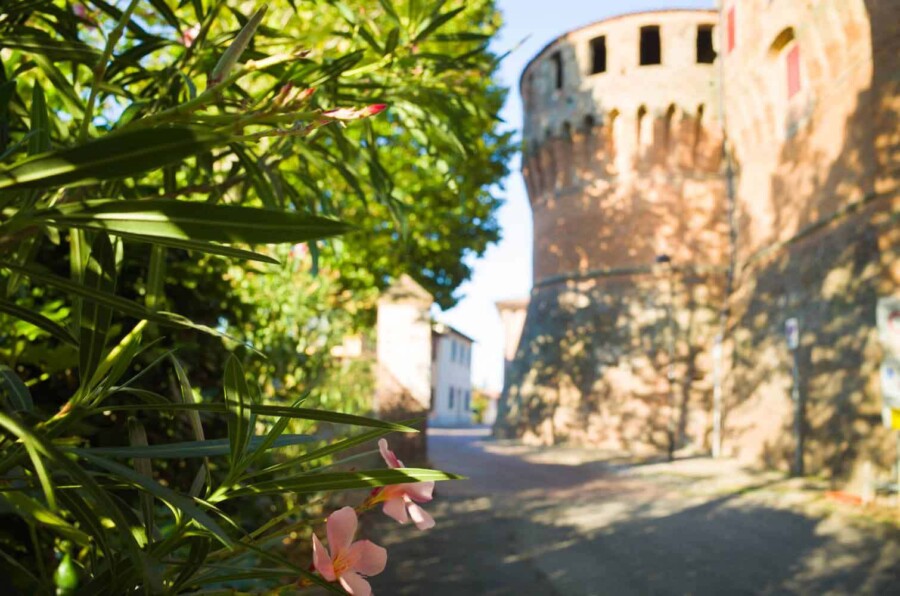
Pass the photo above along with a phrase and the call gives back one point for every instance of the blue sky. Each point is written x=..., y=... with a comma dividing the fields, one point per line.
x=505, y=270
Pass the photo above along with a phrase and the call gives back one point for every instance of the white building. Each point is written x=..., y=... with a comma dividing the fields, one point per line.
x=451, y=377
x=420, y=361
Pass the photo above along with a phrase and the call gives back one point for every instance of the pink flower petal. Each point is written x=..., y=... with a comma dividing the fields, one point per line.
x=321, y=560
x=355, y=584
x=340, y=526
x=396, y=508
x=389, y=458
x=421, y=518
x=367, y=557
x=421, y=492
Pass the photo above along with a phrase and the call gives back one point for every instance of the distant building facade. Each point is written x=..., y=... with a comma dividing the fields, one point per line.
x=451, y=377
x=697, y=175
x=422, y=367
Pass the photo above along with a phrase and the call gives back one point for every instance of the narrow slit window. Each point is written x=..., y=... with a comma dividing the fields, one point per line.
x=651, y=46
x=705, y=52
x=556, y=58
x=598, y=55
x=450, y=401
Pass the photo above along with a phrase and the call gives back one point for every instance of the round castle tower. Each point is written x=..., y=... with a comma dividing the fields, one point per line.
x=622, y=162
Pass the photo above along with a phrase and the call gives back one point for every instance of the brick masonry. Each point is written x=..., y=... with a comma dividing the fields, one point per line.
x=626, y=165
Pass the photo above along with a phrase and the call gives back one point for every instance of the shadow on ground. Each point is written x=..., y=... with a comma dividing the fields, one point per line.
x=521, y=527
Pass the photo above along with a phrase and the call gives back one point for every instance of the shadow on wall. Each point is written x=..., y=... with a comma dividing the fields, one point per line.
x=829, y=276
x=593, y=360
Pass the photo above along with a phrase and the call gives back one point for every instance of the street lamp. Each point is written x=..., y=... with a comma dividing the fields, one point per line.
x=666, y=261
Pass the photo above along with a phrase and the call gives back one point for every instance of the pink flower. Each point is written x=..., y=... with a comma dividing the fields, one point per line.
x=355, y=113
x=401, y=501
x=189, y=36
x=349, y=561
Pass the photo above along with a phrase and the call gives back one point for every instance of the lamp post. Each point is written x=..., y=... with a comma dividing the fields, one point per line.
x=666, y=260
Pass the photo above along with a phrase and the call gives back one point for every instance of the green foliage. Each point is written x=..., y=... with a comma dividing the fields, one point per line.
x=148, y=150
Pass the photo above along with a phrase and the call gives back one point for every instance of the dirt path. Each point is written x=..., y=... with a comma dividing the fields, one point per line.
x=565, y=521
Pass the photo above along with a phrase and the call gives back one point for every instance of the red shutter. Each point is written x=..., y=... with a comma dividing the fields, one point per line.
x=730, y=44
x=793, y=71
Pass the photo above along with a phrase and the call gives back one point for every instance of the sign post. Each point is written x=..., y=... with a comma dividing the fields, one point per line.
x=887, y=316
x=792, y=335
x=717, y=397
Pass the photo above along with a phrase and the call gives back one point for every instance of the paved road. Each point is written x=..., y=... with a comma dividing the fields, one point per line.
x=564, y=521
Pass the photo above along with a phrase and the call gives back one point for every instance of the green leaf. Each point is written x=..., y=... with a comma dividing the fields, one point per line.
x=187, y=397
x=113, y=156
x=100, y=276
x=435, y=22
x=19, y=396
x=201, y=246
x=112, y=301
x=180, y=502
x=39, y=141
x=39, y=321
x=137, y=436
x=191, y=449
x=238, y=414
x=342, y=481
x=56, y=50
x=35, y=512
x=267, y=410
x=188, y=220
x=87, y=485
x=233, y=53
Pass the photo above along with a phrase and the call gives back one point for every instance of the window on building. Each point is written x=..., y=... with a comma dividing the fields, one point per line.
x=730, y=30
x=450, y=401
x=793, y=71
x=452, y=350
x=556, y=59
x=705, y=52
x=467, y=402
x=598, y=54
x=651, y=45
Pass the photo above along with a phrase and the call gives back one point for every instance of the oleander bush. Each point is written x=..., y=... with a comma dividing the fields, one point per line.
x=198, y=200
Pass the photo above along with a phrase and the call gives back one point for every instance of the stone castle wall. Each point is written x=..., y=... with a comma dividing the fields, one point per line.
x=817, y=232
x=622, y=167
x=626, y=165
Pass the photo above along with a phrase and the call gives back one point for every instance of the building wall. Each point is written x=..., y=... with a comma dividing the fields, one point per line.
x=452, y=373
x=816, y=225
x=815, y=232
x=621, y=167
x=404, y=340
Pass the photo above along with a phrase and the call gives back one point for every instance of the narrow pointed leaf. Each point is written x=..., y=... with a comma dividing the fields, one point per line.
x=194, y=221
x=343, y=481
x=39, y=321
x=237, y=396
x=269, y=410
x=113, y=156
x=186, y=505
x=39, y=141
x=100, y=276
x=191, y=449
x=112, y=301
x=17, y=393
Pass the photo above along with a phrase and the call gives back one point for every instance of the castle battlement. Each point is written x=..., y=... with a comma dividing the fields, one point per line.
x=695, y=174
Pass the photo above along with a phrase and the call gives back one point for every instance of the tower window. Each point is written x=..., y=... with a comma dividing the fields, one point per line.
x=705, y=52
x=651, y=46
x=598, y=54
x=556, y=58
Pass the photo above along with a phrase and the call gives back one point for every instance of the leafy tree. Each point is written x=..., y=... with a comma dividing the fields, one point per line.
x=145, y=149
